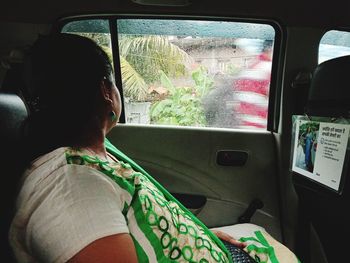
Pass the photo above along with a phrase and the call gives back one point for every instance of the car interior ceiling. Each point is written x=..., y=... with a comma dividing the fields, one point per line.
x=316, y=231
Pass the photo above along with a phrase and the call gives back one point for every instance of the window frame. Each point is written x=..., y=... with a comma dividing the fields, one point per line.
x=274, y=102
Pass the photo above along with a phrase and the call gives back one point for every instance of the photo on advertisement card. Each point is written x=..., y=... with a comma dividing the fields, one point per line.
x=320, y=148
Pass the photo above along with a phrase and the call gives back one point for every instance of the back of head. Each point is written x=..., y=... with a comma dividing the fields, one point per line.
x=64, y=78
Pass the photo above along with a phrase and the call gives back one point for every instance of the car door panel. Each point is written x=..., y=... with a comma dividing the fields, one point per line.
x=183, y=160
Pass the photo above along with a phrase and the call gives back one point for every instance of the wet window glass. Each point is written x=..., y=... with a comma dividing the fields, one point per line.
x=334, y=44
x=189, y=72
x=196, y=73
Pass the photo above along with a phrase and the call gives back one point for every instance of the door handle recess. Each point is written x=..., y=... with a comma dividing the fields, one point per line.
x=231, y=158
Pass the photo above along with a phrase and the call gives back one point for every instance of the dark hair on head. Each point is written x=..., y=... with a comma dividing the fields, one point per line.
x=65, y=75
x=67, y=68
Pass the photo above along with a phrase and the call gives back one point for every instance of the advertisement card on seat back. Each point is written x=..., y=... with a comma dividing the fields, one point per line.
x=319, y=150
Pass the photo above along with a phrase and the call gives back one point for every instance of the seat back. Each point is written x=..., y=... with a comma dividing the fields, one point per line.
x=13, y=113
x=329, y=93
x=329, y=96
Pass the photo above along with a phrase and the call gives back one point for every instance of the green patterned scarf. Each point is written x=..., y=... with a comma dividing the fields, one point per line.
x=162, y=229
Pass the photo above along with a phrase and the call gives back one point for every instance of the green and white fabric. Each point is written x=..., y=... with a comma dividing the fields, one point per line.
x=265, y=249
x=162, y=229
x=69, y=199
x=260, y=245
x=62, y=208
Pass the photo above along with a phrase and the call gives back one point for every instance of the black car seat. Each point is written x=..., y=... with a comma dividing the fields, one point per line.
x=325, y=210
x=13, y=113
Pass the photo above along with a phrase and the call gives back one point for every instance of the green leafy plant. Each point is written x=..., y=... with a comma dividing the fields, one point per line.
x=203, y=82
x=183, y=105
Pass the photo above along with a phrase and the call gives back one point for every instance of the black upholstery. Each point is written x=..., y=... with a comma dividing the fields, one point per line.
x=327, y=211
x=329, y=93
x=12, y=116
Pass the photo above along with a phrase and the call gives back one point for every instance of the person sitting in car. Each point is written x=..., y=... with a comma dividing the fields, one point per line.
x=79, y=202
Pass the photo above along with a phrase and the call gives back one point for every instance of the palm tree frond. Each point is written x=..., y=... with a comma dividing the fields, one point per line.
x=148, y=46
x=134, y=85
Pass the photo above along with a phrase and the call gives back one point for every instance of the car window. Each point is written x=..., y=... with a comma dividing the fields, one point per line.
x=189, y=72
x=334, y=44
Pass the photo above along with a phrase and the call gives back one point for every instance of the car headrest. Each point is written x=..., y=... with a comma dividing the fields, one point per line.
x=13, y=113
x=329, y=93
